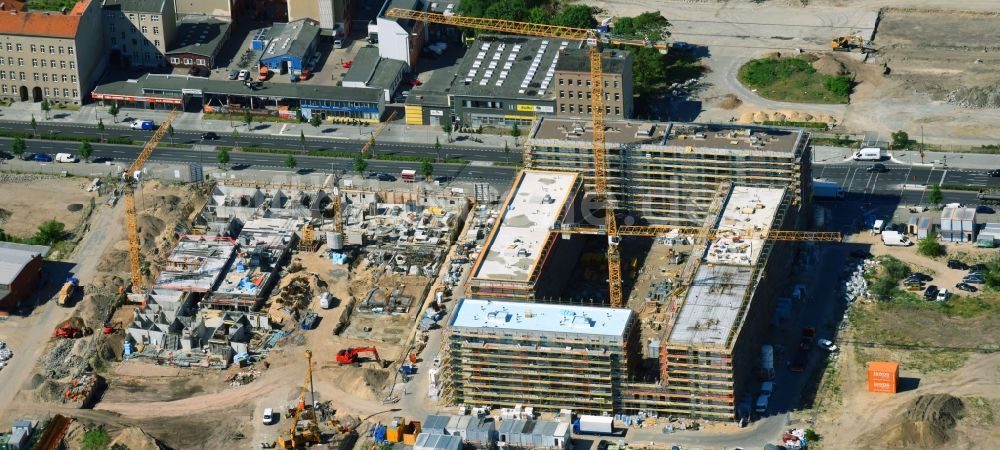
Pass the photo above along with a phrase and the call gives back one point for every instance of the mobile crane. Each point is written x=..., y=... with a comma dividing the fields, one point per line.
x=304, y=429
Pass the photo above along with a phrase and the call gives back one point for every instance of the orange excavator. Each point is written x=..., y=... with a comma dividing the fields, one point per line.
x=350, y=355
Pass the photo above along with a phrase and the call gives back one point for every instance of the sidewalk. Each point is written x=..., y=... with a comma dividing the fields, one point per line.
x=397, y=132
x=937, y=160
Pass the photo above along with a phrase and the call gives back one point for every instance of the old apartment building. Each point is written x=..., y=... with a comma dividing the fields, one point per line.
x=137, y=32
x=50, y=55
x=573, y=75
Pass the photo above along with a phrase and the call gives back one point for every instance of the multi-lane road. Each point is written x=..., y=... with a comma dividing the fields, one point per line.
x=905, y=181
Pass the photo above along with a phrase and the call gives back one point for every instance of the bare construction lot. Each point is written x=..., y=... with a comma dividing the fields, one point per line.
x=28, y=200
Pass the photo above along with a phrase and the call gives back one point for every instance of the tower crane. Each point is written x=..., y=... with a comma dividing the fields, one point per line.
x=593, y=39
x=130, y=181
x=378, y=130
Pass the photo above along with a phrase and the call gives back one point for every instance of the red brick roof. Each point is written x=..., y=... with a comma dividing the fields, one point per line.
x=37, y=23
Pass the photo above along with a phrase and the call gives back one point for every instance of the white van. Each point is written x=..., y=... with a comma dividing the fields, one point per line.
x=268, y=416
x=66, y=158
x=870, y=154
x=761, y=406
x=325, y=301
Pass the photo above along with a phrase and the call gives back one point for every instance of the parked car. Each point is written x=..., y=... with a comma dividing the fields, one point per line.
x=268, y=416
x=983, y=209
x=966, y=287
x=931, y=292
x=233, y=74
x=877, y=168
x=974, y=280
x=143, y=125
x=243, y=75
x=978, y=268
x=827, y=345
x=956, y=264
x=912, y=282
x=381, y=176
x=209, y=136
x=66, y=158
x=442, y=179
x=41, y=157
x=994, y=173
x=5, y=155
x=943, y=295
x=921, y=276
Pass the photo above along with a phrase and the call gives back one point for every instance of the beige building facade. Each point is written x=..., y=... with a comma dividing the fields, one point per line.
x=51, y=56
x=137, y=32
x=573, y=84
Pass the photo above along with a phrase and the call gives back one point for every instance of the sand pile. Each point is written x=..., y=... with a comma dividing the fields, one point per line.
x=730, y=101
x=976, y=97
x=828, y=65
x=927, y=421
x=133, y=438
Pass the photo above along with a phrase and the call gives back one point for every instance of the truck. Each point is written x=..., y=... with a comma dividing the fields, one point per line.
x=989, y=197
x=761, y=406
x=66, y=158
x=767, y=361
x=895, y=239
x=600, y=425
x=408, y=175
x=68, y=288
x=870, y=154
x=827, y=189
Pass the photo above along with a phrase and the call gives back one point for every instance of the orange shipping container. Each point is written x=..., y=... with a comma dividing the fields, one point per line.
x=393, y=435
x=883, y=376
x=409, y=439
x=885, y=386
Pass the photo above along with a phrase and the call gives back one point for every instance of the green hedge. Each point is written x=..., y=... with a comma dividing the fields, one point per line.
x=341, y=154
x=788, y=123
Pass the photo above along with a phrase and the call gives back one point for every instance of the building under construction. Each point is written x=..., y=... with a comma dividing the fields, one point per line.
x=710, y=345
x=520, y=244
x=550, y=357
x=669, y=173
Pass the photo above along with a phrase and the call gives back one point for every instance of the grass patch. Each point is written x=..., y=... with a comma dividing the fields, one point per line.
x=342, y=154
x=238, y=118
x=794, y=80
x=788, y=123
x=926, y=361
x=979, y=412
x=167, y=144
x=958, y=187
x=836, y=141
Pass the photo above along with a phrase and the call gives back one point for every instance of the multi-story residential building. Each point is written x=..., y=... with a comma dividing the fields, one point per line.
x=547, y=356
x=138, y=32
x=573, y=80
x=51, y=55
x=334, y=16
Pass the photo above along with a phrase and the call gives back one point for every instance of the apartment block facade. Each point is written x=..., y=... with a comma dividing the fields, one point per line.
x=573, y=75
x=50, y=55
x=137, y=32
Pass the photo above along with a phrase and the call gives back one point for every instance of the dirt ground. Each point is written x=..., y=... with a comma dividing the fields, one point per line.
x=25, y=205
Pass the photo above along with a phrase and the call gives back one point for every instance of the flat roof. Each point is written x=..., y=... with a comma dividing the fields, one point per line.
x=196, y=263
x=446, y=7
x=510, y=67
x=749, y=211
x=146, y=6
x=292, y=38
x=536, y=202
x=200, y=35
x=720, y=138
x=541, y=317
x=712, y=305
x=374, y=71
x=578, y=60
x=165, y=85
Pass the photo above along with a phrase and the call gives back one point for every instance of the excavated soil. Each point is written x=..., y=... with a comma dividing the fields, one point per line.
x=925, y=422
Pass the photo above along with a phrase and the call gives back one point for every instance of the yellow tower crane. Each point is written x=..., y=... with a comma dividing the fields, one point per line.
x=593, y=39
x=131, y=179
x=378, y=130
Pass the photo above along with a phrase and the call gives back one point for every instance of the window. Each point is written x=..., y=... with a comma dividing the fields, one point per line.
x=41, y=48
x=4, y=87
x=588, y=95
x=32, y=48
x=607, y=110
x=144, y=29
x=156, y=30
x=571, y=108
x=20, y=48
x=46, y=92
x=114, y=42
x=588, y=83
x=131, y=16
x=590, y=109
x=616, y=84
x=579, y=94
x=64, y=78
x=560, y=81
x=60, y=49
x=68, y=50
x=618, y=111
x=34, y=62
x=65, y=92
x=52, y=49
x=113, y=28
x=3, y=76
x=9, y=47
x=201, y=62
x=605, y=84
x=187, y=61
x=618, y=96
x=35, y=76
x=175, y=60
x=580, y=82
x=12, y=77
x=143, y=18
x=570, y=94
x=562, y=108
x=156, y=43
x=20, y=62
x=72, y=78
x=44, y=63
x=72, y=64
x=562, y=94
x=76, y=93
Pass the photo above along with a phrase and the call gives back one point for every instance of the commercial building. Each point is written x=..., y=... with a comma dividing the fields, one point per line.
x=137, y=32
x=711, y=346
x=371, y=70
x=198, y=41
x=669, y=173
x=333, y=16
x=289, y=47
x=400, y=39
x=958, y=224
x=573, y=75
x=520, y=245
x=20, y=268
x=546, y=356
x=50, y=55
x=334, y=103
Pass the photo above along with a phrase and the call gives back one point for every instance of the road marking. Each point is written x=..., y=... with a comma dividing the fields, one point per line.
x=943, y=174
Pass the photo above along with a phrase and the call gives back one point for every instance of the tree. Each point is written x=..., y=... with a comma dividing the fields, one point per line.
x=100, y=128
x=302, y=139
x=298, y=115
x=508, y=9
x=170, y=131
x=46, y=108
x=290, y=162
x=839, y=85
x=248, y=119
x=426, y=169
x=315, y=121
x=900, y=139
x=437, y=148
x=649, y=70
x=648, y=25
x=18, y=146
x=930, y=247
x=34, y=126
x=113, y=110
x=360, y=164
x=506, y=152
x=993, y=273
x=223, y=157
x=49, y=233
x=446, y=127
x=577, y=16
x=86, y=151
x=515, y=132
x=539, y=14
x=236, y=139
x=935, y=197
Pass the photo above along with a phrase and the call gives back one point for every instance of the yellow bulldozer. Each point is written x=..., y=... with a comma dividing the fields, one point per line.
x=848, y=43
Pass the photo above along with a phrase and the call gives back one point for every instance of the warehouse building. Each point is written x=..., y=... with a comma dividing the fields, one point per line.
x=710, y=348
x=669, y=173
x=289, y=47
x=20, y=268
x=516, y=250
x=545, y=356
x=371, y=70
